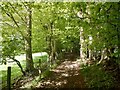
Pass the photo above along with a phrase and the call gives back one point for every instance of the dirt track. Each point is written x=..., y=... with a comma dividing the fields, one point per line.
x=66, y=75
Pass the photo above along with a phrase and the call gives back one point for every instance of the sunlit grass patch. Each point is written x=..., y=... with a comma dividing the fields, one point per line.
x=43, y=58
x=4, y=78
x=40, y=59
x=96, y=77
x=15, y=73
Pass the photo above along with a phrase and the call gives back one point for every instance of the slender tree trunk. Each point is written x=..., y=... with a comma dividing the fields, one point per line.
x=52, y=44
x=87, y=52
x=29, y=60
x=102, y=55
x=49, y=46
x=54, y=50
x=90, y=54
x=82, y=56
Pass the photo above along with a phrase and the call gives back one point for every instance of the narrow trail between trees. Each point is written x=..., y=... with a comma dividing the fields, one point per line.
x=66, y=75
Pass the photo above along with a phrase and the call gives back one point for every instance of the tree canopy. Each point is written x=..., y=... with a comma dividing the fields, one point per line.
x=91, y=28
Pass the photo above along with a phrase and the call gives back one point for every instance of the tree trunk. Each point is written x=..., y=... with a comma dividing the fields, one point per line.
x=90, y=54
x=103, y=53
x=29, y=60
x=82, y=56
x=54, y=50
x=52, y=45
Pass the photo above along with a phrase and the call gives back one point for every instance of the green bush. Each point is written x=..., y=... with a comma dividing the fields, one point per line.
x=96, y=77
x=41, y=58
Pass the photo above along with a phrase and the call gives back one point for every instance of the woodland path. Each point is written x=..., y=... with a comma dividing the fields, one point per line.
x=66, y=75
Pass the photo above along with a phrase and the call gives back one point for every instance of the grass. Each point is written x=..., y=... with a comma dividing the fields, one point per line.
x=43, y=58
x=96, y=77
x=15, y=70
x=15, y=73
x=37, y=62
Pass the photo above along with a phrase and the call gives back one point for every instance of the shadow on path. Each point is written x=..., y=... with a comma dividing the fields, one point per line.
x=66, y=75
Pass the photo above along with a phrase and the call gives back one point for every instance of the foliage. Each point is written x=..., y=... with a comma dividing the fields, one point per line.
x=56, y=30
x=101, y=26
x=96, y=77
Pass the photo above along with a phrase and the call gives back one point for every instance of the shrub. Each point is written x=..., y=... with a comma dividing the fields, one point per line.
x=96, y=77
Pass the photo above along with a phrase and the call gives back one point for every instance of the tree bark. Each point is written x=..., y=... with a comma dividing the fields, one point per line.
x=103, y=54
x=90, y=54
x=82, y=56
x=29, y=60
x=52, y=45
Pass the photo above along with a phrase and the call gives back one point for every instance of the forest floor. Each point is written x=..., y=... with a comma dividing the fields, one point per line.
x=66, y=75
x=69, y=75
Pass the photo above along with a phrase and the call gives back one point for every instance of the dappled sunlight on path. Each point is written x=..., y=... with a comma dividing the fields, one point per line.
x=66, y=75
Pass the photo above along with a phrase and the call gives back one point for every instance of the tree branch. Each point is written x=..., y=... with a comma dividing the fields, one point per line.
x=18, y=63
x=17, y=12
x=8, y=24
x=11, y=16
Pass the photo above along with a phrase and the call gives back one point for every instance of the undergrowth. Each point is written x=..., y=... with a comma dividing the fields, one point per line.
x=96, y=77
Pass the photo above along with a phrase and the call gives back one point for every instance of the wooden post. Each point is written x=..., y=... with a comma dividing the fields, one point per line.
x=9, y=78
x=40, y=67
x=39, y=63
